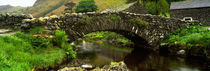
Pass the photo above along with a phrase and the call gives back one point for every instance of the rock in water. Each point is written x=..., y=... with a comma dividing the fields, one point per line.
x=87, y=66
x=181, y=52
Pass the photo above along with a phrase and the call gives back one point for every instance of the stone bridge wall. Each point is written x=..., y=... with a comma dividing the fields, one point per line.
x=12, y=20
x=77, y=25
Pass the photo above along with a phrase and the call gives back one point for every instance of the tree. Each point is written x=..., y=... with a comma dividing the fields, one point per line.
x=69, y=6
x=86, y=6
x=163, y=7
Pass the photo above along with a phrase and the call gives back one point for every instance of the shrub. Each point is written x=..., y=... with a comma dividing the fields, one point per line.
x=151, y=7
x=70, y=52
x=86, y=6
x=36, y=30
x=190, y=36
x=163, y=7
x=40, y=42
x=138, y=22
x=35, y=42
x=17, y=54
x=60, y=38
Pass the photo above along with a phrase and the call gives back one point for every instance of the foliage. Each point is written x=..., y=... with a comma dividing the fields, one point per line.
x=138, y=22
x=163, y=7
x=18, y=55
x=86, y=6
x=36, y=42
x=36, y=30
x=39, y=42
x=109, y=36
x=70, y=52
x=151, y=7
x=155, y=7
x=60, y=38
x=190, y=36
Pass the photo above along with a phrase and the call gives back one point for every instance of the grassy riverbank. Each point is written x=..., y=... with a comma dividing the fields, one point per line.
x=24, y=52
x=193, y=39
x=190, y=37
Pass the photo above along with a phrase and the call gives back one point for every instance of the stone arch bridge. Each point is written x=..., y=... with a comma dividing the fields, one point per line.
x=141, y=28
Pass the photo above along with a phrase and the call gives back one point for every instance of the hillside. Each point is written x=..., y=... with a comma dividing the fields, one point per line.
x=55, y=7
x=5, y=7
x=12, y=9
x=16, y=9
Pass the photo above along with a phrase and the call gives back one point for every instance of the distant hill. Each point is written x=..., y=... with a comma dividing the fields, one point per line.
x=56, y=7
x=12, y=9
x=5, y=7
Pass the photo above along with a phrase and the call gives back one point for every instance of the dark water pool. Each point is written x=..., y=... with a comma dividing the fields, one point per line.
x=139, y=59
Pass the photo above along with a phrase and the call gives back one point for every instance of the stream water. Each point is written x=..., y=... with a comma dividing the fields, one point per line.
x=136, y=59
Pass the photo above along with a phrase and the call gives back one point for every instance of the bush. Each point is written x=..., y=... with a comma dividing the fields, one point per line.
x=40, y=42
x=70, y=52
x=151, y=7
x=60, y=38
x=190, y=36
x=155, y=7
x=36, y=42
x=138, y=22
x=36, y=30
x=86, y=6
x=18, y=55
x=163, y=7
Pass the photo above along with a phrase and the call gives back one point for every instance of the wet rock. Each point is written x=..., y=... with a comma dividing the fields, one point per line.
x=116, y=66
x=181, y=52
x=87, y=66
x=197, y=51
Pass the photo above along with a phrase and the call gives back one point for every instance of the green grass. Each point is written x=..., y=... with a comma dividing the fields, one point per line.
x=191, y=36
x=18, y=55
x=24, y=52
x=106, y=35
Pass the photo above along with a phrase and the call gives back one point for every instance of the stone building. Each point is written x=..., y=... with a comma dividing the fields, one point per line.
x=197, y=9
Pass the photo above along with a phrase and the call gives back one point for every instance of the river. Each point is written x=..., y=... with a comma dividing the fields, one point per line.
x=136, y=59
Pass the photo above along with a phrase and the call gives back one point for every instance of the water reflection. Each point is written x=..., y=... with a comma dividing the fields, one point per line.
x=144, y=60
x=139, y=59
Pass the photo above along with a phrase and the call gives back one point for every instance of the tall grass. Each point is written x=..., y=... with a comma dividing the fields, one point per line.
x=17, y=54
x=24, y=52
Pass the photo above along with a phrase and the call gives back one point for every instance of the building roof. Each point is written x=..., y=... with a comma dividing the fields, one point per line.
x=190, y=4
